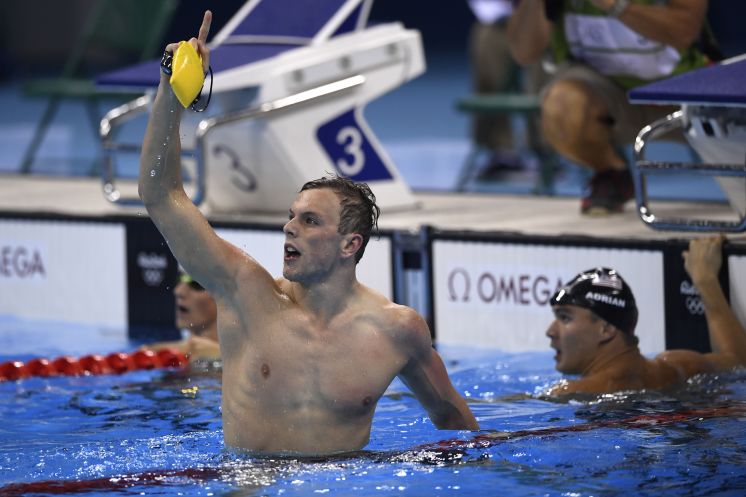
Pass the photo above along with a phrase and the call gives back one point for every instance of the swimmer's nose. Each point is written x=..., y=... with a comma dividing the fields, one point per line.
x=179, y=289
x=552, y=329
x=288, y=228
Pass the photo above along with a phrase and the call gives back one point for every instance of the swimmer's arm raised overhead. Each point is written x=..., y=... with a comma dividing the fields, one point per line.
x=426, y=376
x=727, y=336
x=209, y=259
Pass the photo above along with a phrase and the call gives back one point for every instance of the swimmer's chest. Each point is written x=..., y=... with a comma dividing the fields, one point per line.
x=345, y=368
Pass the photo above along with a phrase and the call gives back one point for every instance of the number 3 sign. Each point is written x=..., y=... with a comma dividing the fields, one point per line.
x=350, y=150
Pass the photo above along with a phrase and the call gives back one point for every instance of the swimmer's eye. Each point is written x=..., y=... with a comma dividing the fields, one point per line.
x=310, y=220
x=563, y=316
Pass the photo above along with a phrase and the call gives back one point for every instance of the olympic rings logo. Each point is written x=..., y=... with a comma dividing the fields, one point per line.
x=695, y=305
x=153, y=277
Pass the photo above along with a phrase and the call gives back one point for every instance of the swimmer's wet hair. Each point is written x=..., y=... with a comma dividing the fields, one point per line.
x=359, y=213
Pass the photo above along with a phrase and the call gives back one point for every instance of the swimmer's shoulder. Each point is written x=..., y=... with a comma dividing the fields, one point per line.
x=402, y=323
x=685, y=363
x=405, y=325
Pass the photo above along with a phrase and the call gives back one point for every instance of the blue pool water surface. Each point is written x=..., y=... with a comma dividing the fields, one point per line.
x=159, y=433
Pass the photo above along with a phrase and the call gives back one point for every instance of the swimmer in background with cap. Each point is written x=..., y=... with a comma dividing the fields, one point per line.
x=197, y=314
x=595, y=318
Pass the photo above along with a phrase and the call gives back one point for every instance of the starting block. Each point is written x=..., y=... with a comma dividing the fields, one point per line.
x=713, y=120
x=291, y=81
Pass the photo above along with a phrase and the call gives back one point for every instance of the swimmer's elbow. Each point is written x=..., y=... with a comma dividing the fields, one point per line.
x=154, y=197
x=146, y=193
x=452, y=417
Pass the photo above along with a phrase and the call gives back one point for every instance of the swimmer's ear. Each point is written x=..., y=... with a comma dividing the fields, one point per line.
x=351, y=244
x=608, y=332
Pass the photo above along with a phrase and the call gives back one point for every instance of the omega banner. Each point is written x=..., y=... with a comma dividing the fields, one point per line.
x=64, y=271
x=495, y=294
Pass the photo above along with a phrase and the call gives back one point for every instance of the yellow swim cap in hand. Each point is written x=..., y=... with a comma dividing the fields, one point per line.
x=186, y=74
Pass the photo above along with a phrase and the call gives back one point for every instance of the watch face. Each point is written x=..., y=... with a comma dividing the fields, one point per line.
x=166, y=62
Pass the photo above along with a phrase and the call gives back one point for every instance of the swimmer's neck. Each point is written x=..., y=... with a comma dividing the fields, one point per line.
x=325, y=299
x=618, y=357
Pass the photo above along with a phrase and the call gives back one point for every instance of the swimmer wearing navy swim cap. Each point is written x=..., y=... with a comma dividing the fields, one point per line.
x=593, y=332
x=603, y=291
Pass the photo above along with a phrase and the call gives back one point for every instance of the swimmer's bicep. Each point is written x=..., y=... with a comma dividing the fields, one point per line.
x=721, y=362
x=688, y=363
x=427, y=378
x=206, y=257
x=425, y=373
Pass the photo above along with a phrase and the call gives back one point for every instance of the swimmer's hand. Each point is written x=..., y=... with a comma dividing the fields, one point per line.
x=186, y=77
x=703, y=259
x=200, y=43
x=202, y=348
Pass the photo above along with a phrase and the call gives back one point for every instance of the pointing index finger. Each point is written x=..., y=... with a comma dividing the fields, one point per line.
x=204, y=30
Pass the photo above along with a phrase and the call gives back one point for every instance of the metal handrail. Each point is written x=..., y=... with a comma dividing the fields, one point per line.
x=126, y=112
x=114, y=118
x=642, y=167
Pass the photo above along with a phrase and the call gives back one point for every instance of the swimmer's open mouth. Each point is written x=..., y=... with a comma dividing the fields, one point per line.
x=291, y=252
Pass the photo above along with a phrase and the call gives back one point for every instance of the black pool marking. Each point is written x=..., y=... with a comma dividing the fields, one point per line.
x=441, y=452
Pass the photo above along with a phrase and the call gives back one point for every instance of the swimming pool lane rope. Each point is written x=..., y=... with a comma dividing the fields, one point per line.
x=93, y=364
x=450, y=451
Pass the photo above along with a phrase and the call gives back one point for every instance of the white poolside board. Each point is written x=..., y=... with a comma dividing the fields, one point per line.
x=515, y=327
x=72, y=272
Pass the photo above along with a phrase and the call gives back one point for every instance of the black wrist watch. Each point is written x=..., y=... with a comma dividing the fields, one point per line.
x=166, y=62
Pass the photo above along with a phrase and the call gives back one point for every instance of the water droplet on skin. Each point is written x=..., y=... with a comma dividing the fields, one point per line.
x=152, y=173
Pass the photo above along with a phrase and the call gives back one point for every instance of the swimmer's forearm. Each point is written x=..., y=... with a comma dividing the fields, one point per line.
x=727, y=335
x=160, y=160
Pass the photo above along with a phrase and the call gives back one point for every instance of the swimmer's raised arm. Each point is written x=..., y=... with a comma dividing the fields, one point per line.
x=208, y=258
x=727, y=336
x=426, y=376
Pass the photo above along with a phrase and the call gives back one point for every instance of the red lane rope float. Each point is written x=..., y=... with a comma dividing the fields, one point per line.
x=114, y=483
x=114, y=363
x=486, y=440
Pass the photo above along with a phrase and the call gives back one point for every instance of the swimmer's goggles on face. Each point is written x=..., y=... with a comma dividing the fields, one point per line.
x=188, y=280
x=187, y=79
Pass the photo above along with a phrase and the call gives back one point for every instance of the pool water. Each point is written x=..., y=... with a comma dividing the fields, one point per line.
x=159, y=433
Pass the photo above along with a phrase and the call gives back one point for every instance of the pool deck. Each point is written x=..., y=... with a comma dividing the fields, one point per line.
x=509, y=214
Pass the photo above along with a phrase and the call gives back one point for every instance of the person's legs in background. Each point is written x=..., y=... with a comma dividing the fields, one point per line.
x=587, y=119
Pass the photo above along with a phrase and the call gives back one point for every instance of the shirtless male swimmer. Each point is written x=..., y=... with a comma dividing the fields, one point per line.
x=593, y=331
x=307, y=356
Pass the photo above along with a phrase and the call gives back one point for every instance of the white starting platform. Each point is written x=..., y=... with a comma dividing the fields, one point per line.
x=713, y=120
x=291, y=81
